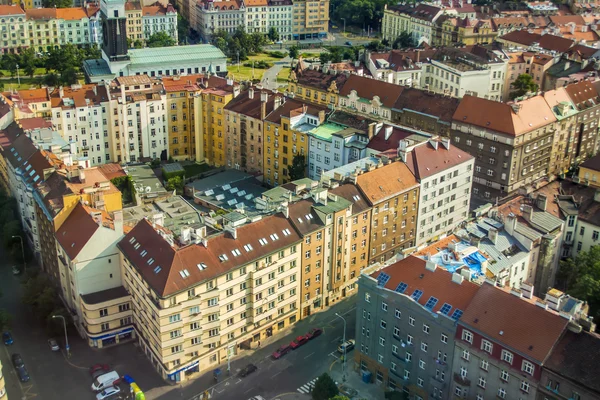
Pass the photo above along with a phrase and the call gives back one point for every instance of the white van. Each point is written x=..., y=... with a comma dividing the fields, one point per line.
x=103, y=381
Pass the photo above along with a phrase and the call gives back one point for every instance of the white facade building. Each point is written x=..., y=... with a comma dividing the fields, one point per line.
x=279, y=16
x=445, y=174
x=157, y=18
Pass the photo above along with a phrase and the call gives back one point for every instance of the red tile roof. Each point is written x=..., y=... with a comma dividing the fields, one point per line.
x=174, y=259
x=429, y=103
x=516, y=323
x=11, y=10
x=34, y=123
x=425, y=160
x=386, y=182
x=583, y=94
x=384, y=141
x=411, y=271
x=76, y=231
x=111, y=170
x=368, y=88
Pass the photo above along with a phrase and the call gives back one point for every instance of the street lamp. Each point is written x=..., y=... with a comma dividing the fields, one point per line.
x=344, y=344
x=18, y=77
x=22, y=253
x=238, y=59
x=66, y=337
x=344, y=28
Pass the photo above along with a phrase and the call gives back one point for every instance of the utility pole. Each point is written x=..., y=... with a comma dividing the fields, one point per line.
x=66, y=337
x=343, y=344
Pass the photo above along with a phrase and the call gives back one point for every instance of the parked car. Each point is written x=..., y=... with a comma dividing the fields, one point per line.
x=17, y=360
x=280, y=352
x=347, y=345
x=7, y=338
x=248, y=369
x=348, y=43
x=299, y=341
x=105, y=381
x=53, y=344
x=23, y=374
x=314, y=332
x=108, y=392
x=101, y=369
x=347, y=391
x=16, y=270
x=256, y=398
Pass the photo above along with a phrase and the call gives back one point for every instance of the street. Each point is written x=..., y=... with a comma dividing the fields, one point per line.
x=54, y=376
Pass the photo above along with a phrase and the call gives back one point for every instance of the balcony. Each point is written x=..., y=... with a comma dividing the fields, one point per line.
x=63, y=261
x=463, y=381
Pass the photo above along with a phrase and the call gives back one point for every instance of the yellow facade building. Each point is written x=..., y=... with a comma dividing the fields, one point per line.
x=315, y=86
x=135, y=26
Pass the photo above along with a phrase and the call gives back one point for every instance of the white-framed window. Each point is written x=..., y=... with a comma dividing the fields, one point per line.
x=528, y=367
x=464, y=371
x=411, y=321
x=504, y=375
x=422, y=364
x=525, y=386
x=367, y=297
x=398, y=314
x=384, y=306
x=424, y=347
x=466, y=355
x=486, y=346
x=426, y=328
x=484, y=365
x=380, y=358
x=406, y=374
x=481, y=382
x=383, y=324
x=381, y=341
x=409, y=339
x=507, y=356
x=467, y=336
x=444, y=338
x=501, y=393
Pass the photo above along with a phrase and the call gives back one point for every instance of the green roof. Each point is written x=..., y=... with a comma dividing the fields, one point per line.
x=155, y=55
x=326, y=130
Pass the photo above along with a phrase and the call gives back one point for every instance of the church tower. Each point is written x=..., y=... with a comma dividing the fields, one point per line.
x=114, y=33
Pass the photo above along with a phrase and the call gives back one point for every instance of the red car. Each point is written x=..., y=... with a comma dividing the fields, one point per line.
x=280, y=352
x=99, y=369
x=313, y=333
x=299, y=341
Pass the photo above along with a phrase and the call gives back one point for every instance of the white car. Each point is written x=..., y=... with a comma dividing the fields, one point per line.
x=109, y=391
x=256, y=398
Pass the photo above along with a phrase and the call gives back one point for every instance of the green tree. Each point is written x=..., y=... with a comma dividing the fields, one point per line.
x=5, y=320
x=68, y=76
x=403, y=41
x=298, y=168
x=27, y=61
x=581, y=278
x=175, y=183
x=522, y=85
x=273, y=34
x=324, y=57
x=160, y=39
x=9, y=62
x=183, y=28
x=375, y=45
x=294, y=53
x=395, y=395
x=325, y=388
x=339, y=397
x=57, y=3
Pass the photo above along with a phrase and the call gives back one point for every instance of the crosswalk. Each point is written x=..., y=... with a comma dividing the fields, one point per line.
x=309, y=386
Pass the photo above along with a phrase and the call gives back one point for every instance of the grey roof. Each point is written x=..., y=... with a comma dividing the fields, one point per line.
x=97, y=67
x=346, y=170
x=143, y=177
x=173, y=167
x=175, y=210
x=184, y=54
x=526, y=231
x=545, y=221
x=567, y=205
x=105, y=295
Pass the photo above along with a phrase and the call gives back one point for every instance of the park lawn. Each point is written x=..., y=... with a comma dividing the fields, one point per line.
x=283, y=75
x=13, y=84
x=38, y=71
x=196, y=169
x=245, y=73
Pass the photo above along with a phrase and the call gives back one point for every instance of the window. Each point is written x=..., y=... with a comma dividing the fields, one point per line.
x=422, y=364
x=408, y=357
x=426, y=329
x=501, y=393
x=398, y=314
x=504, y=376
x=466, y=354
x=383, y=324
x=467, y=336
x=528, y=367
x=486, y=346
x=383, y=306
x=444, y=338
x=481, y=382
x=367, y=297
x=525, y=386
x=424, y=347
x=174, y=318
x=381, y=341
x=411, y=321
x=507, y=356
x=380, y=358
x=484, y=365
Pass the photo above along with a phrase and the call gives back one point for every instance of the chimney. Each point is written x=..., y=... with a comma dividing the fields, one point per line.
x=527, y=211
x=457, y=278
x=82, y=176
x=95, y=89
x=541, y=202
x=493, y=235
x=229, y=82
x=264, y=96
x=61, y=92
x=430, y=266
x=553, y=297
x=186, y=235
x=597, y=196
x=251, y=93
x=527, y=290
x=403, y=149
x=286, y=211
x=277, y=102
x=158, y=219
x=388, y=131
x=510, y=223
x=118, y=221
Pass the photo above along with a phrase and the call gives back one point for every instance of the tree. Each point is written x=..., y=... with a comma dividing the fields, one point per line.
x=403, y=41
x=28, y=61
x=57, y=3
x=325, y=388
x=394, y=395
x=581, y=278
x=183, y=28
x=339, y=397
x=294, y=53
x=273, y=34
x=175, y=183
x=375, y=45
x=298, y=167
x=5, y=320
x=522, y=85
x=160, y=39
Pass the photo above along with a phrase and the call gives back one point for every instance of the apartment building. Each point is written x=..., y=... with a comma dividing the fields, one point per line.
x=212, y=124
x=310, y=19
x=450, y=31
x=14, y=27
x=407, y=315
x=369, y=97
x=135, y=27
x=183, y=105
x=289, y=126
x=196, y=302
x=3, y=394
x=445, y=176
x=51, y=27
x=402, y=67
x=316, y=86
x=589, y=172
x=280, y=17
x=245, y=132
x=393, y=193
x=512, y=143
x=586, y=95
x=499, y=352
x=256, y=16
x=396, y=19
x=423, y=23
x=207, y=17
x=137, y=113
x=159, y=18
x=89, y=262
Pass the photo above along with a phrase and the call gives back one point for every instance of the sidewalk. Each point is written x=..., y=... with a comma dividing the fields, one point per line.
x=354, y=381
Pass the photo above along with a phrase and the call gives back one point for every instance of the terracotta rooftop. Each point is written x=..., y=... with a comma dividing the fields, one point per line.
x=434, y=157
x=111, y=170
x=71, y=13
x=201, y=263
x=426, y=12
x=351, y=193
x=251, y=107
x=583, y=94
x=76, y=231
x=294, y=106
x=29, y=124
x=319, y=80
x=11, y=10
x=188, y=83
x=133, y=6
x=41, y=13
x=532, y=331
x=79, y=96
x=33, y=95
x=368, y=88
x=424, y=102
x=385, y=182
x=385, y=139
x=304, y=218
x=412, y=272
x=532, y=113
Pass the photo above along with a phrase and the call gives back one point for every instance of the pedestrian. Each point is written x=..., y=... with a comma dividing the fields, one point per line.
x=259, y=343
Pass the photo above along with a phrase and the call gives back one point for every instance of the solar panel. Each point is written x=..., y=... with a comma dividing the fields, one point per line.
x=382, y=279
x=431, y=303
x=445, y=309
x=417, y=294
x=457, y=314
x=401, y=287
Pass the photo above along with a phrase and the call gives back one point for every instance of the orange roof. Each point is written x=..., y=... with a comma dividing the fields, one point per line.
x=41, y=13
x=76, y=231
x=436, y=247
x=438, y=284
x=153, y=10
x=81, y=97
x=256, y=3
x=11, y=10
x=34, y=95
x=133, y=6
x=189, y=83
x=92, y=177
x=531, y=331
x=386, y=182
x=73, y=13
